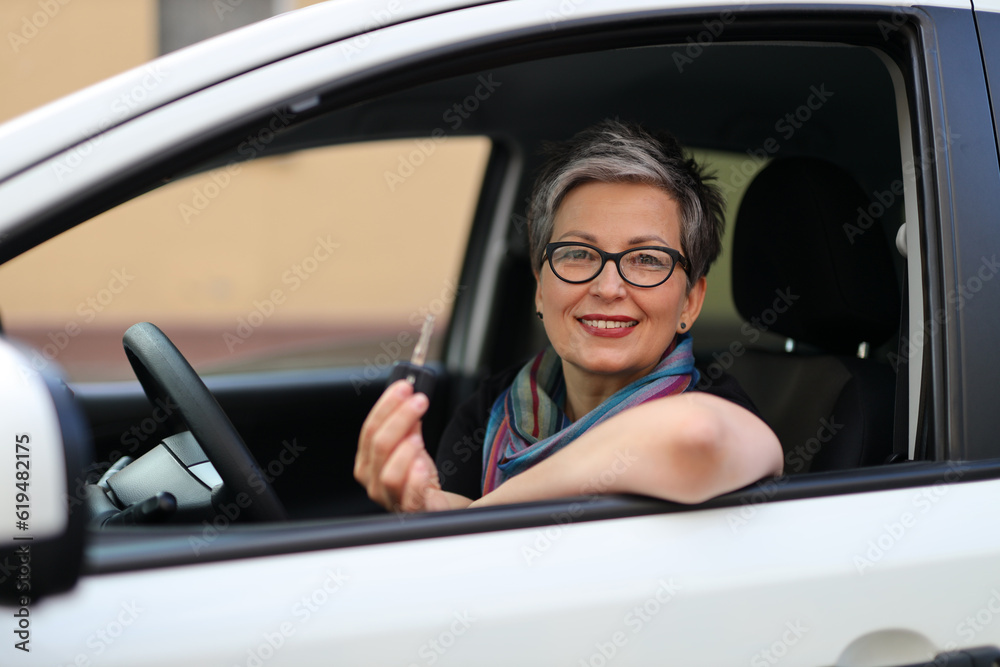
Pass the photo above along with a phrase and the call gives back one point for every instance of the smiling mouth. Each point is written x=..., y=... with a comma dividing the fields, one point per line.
x=609, y=324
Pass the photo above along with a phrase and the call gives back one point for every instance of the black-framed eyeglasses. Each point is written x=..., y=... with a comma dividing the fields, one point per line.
x=645, y=266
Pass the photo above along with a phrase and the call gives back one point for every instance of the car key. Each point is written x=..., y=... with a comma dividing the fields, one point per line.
x=414, y=371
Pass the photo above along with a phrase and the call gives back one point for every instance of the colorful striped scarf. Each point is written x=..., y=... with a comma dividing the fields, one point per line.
x=528, y=424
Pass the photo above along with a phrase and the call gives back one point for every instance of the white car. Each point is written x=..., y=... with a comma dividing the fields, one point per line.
x=288, y=201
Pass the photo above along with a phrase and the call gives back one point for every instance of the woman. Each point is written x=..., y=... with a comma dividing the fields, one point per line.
x=622, y=229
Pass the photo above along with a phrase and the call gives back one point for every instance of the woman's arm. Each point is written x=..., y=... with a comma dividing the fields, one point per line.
x=686, y=448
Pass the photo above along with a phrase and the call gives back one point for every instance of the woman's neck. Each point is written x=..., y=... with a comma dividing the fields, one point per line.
x=585, y=391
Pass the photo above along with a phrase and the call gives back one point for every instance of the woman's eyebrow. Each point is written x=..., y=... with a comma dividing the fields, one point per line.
x=589, y=238
x=635, y=240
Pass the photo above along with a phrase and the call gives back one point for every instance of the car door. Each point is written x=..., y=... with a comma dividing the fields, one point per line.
x=888, y=565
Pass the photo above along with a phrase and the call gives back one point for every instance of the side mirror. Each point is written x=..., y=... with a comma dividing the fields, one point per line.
x=44, y=444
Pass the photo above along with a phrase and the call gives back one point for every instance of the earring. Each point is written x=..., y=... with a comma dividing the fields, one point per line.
x=683, y=326
x=539, y=313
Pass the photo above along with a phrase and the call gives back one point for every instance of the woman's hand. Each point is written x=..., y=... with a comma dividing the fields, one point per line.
x=392, y=463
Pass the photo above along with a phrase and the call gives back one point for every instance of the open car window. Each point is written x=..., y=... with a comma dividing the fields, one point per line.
x=320, y=234
x=318, y=258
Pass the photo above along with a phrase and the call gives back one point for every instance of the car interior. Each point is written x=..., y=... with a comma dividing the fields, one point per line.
x=803, y=135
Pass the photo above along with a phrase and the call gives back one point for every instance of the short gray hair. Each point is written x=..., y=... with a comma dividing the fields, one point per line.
x=621, y=152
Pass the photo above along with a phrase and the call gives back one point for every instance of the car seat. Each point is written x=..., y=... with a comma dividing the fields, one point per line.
x=802, y=270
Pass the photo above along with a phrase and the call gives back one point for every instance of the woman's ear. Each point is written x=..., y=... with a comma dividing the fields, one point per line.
x=692, y=306
x=538, y=292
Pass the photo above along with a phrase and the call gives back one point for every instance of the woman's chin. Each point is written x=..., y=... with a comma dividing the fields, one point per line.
x=609, y=367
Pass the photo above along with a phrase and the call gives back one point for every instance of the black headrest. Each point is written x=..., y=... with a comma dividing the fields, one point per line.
x=802, y=265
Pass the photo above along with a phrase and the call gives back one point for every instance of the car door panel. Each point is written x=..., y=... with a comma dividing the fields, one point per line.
x=778, y=579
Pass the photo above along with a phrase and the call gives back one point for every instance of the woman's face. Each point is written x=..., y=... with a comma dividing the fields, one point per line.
x=615, y=217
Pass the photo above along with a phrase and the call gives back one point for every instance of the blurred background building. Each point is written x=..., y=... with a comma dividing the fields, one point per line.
x=208, y=251
x=54, y=47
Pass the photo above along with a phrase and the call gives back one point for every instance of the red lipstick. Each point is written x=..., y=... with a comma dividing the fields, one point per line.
x=597, y=325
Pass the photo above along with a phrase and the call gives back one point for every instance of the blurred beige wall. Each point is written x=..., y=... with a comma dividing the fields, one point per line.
x=54, y=47
x=203, y=249
x=51, y=49
x=206, y=271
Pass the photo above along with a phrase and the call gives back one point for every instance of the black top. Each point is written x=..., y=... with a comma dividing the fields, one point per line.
x=460, y=452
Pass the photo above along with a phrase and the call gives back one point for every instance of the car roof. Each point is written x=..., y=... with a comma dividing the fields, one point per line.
x=55, y=127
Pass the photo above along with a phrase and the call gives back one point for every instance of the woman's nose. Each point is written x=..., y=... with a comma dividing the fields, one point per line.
x=608, y=284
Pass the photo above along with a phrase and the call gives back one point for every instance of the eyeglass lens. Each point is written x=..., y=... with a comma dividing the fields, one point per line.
x=644, y=267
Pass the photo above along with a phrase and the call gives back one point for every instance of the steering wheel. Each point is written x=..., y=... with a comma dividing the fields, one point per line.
x=164, y=373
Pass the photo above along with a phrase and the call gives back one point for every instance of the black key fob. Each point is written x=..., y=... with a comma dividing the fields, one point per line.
x=422, y=377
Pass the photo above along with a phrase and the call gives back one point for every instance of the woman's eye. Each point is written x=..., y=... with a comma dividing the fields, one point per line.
x=577, y=254
x=649, y=260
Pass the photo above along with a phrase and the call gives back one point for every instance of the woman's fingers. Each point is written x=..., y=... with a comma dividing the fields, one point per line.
x=395, y=417
x=390, y=398
x=397, y=426
x=394, y=474
x=422, y=485
x=393, y=395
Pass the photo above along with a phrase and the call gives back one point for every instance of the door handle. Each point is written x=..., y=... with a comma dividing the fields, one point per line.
x=981, y=656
